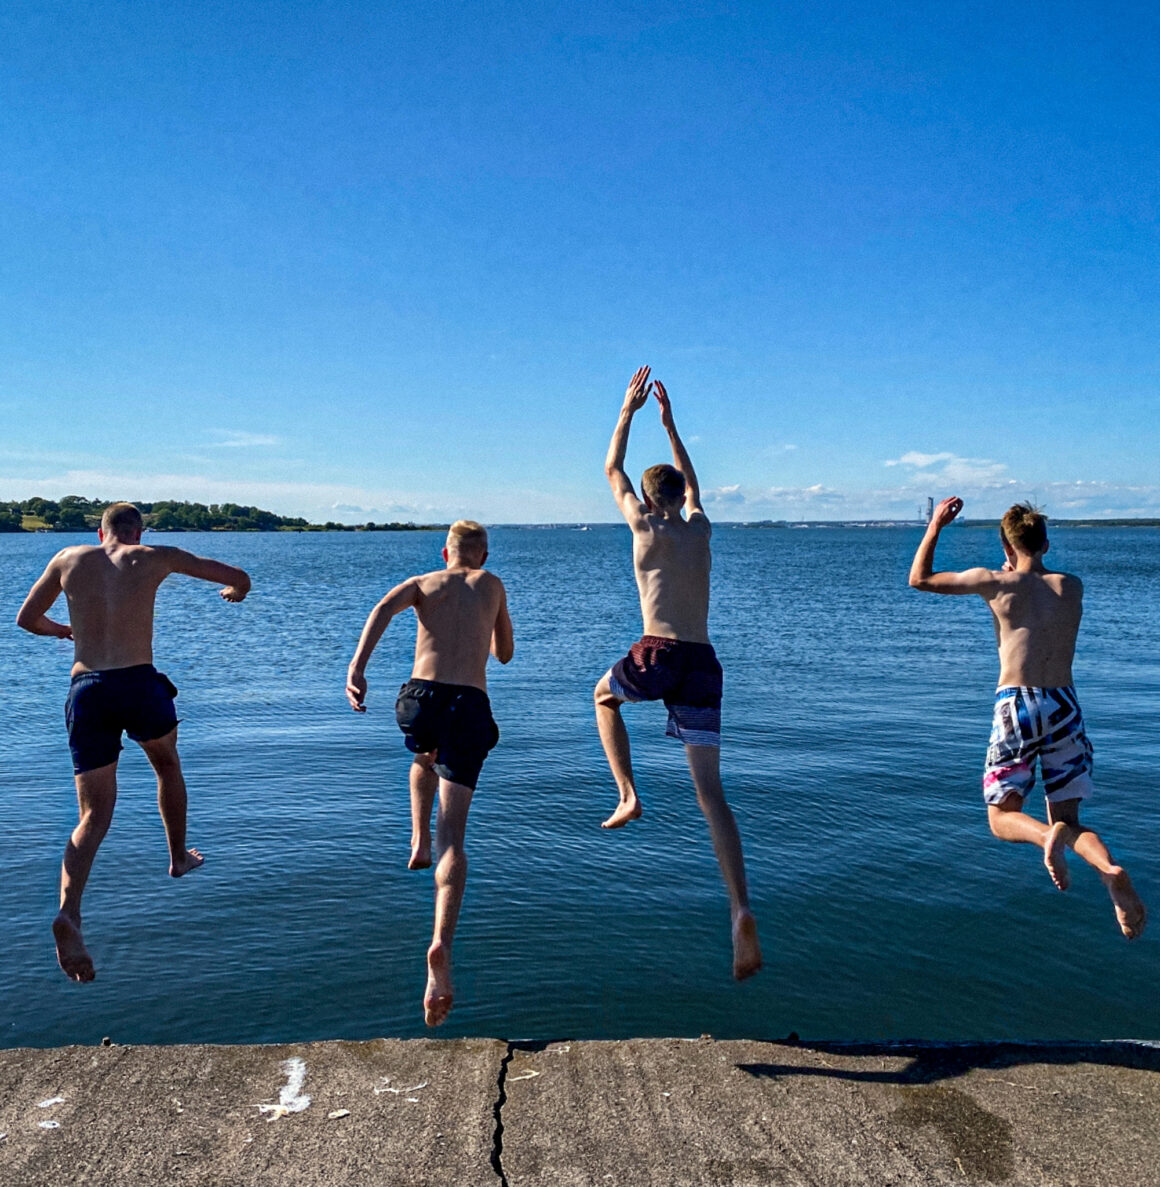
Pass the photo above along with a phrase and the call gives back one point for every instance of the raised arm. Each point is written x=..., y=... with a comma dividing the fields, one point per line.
x=680, y=453
x=377, y=622
x=634, y=399
x=33, y=614
x=503, y=642
x=922, y=575
x=236, y=581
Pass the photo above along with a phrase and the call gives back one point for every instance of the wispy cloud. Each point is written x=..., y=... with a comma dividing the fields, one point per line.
x=950, y=469
x=236, y=439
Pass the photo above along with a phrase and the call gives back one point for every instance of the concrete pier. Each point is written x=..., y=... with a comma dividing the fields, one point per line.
x=483, y=1112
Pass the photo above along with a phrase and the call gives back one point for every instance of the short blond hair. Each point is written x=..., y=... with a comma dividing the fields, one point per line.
x=121, y=520
x=465, y=535
x=1025, y=528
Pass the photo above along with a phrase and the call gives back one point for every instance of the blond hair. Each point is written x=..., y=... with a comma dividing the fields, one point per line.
x=1025, y=528
x=663, y=485
x=121, y=520
x=467, y=536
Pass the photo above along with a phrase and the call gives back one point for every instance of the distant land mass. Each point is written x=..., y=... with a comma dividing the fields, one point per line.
x=76, y=514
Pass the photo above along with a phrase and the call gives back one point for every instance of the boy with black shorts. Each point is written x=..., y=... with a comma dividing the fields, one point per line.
x=110, y=590
x=445, y=716
x=1036, y=716
x=674, y=661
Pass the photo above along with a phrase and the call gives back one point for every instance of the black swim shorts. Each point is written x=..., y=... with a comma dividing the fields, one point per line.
x=686, y=676
x=454, y=720
x=138, y=700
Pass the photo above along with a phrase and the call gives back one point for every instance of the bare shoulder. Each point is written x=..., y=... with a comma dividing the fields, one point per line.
x=699, y=522
x=1070, y=586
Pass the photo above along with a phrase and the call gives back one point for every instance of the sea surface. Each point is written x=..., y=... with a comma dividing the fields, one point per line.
x=856, y=719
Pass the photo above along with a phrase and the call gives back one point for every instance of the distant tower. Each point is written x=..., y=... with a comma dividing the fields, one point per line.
x=929, y=509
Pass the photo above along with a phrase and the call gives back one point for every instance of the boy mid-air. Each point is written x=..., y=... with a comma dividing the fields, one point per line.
x=1037, y=716
x=674, y=660
x=111, y=588
x=445, y=716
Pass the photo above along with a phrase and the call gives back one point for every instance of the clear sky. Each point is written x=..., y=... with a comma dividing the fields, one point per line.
x=398, y=261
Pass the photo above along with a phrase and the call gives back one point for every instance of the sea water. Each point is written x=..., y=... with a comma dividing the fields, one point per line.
x=856, y=718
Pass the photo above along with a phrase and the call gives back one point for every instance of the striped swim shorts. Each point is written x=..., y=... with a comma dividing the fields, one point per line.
x=686, y=676
x=1044, y=724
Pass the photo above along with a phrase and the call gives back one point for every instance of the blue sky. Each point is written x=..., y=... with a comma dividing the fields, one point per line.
x=374, y=260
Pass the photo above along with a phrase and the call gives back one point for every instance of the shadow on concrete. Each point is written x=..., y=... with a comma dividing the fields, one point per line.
x=930, y=1063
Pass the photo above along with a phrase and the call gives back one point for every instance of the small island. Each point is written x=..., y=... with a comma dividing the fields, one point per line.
x=77, y=514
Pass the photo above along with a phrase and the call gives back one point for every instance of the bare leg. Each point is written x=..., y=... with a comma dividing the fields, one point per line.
x=450, y=879
x=424, y=785
x=96, y=798
x=614, y=739
x=705, y=767
x=1010, y=823
x=1130, y=912
x=172, y=801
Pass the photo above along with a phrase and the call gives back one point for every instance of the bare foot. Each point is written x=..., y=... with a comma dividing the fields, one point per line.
x=191, y=861
x=746, y=949
x=626, y=810
x=71, y=953
x=1130, y=913
x=420, y=854
x=437, y=1000
x=1055, y=855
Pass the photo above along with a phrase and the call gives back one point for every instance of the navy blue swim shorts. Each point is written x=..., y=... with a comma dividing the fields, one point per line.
x=686, y=676
x=138, y=700
x=452, y=719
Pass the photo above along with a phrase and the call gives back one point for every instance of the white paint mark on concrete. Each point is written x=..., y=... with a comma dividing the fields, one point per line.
x=49, y=1124
x=525, y=1076
x=52, y=1100
x=386, y=1087
x=337, y=1113
x=291, y=1099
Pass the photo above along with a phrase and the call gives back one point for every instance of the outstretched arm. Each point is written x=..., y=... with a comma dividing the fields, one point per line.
x=33, y=616
x=236, y=581
x=634, y=399
x=680, y=453
x=922, y=574
x=377, y=622
x=503, y=643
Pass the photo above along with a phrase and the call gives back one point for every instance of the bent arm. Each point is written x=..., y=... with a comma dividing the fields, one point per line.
x=922, y=575
x=377, y=622
x=33, y=615
x=503, y=643
x=236, y=581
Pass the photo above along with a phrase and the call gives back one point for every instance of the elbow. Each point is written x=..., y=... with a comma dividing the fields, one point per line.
x=27, y=622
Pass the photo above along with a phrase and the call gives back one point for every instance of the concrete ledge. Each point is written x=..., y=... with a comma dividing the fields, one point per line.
x=662, y=1111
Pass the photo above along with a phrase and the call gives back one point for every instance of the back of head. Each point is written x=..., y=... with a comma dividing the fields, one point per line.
x=467, y=540
x=1025, y=528
x=122, y=520
x=663, y=486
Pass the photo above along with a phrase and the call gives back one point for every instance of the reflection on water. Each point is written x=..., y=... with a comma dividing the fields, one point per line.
x=856, y=717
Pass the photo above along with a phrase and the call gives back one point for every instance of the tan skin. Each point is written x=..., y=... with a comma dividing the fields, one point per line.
x=671, y=561
x=1036, y=614
x=110, y=589
x=462, y=619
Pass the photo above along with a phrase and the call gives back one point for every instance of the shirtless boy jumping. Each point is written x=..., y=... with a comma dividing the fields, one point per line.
x=674, y=660
x=1037, y=614
x=445, y=716
x=110, y=590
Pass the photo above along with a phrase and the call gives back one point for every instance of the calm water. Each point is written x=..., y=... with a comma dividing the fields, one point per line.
x=856, y=718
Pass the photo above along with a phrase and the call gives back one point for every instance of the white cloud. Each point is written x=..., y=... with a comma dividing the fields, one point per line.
x=948, y=469
x=920, y=460
x=235, y=439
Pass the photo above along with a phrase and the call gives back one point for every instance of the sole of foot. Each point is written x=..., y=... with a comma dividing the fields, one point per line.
x=438, y=999
x=746, y=948
x=623, y=814
x=71, y=953
x=1130, y=912
x=1055, y=856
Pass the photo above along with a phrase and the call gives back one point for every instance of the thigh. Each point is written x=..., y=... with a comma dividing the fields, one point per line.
x=94, y=731
x=97, y=790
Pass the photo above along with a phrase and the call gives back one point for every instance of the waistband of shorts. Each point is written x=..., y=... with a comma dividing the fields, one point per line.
x=653, y=640
x=114, y=673
x=1009, y=690
x=443, y=686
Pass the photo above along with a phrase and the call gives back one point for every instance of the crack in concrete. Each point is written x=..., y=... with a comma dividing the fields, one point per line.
x=497, y=1110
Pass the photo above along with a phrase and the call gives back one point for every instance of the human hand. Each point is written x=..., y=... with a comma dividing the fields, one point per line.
x=639, y=387
x=666, y=405
x=231, y=593
x=945, y=511
x=59, y=630
x=356, y=691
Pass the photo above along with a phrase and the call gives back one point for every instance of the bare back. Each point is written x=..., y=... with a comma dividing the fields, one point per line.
x=457, y=609
x=1037, y=615
x=671, y=560
x=111, y=592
